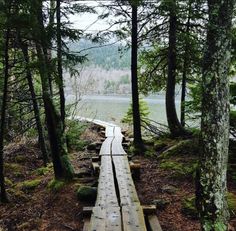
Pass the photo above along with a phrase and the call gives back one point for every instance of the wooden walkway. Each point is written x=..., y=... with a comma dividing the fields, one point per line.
x=117, y=207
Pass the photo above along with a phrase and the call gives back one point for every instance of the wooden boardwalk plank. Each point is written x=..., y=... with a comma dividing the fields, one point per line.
x=106, y=146
x=109, y=131
x=117, y=131
x=133, y=218
x=106, y=219
x=106, y=196
x=117, y=148
x=128, y=194
x=154, y=223
x=108, y=214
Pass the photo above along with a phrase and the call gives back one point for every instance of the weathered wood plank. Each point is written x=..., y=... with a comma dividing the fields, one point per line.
x=117, y=148
x=86, y=226
x=133, y=218
x=106, y=146
x=117, y=131
x=109, y=131
x=149, y=209
x=106, y=219
x=96, y=168
x=154, y=223
x=128, y=194
x=106, y=195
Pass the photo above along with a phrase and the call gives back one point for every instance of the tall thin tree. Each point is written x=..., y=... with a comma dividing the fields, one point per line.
x=3, y=195
x=61, y=164
x=211, y=188
x=29, y=77
x=174, y=124
x=138, y=142
x=59, y=62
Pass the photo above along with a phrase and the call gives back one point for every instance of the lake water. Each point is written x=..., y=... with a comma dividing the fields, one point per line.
x=113, y=108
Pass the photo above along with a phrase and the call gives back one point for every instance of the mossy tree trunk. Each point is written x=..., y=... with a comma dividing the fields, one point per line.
x=174, y=124
x=61, y=164
x=3, y=195
x=211, y=188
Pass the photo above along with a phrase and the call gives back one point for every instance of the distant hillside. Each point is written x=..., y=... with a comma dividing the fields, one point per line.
x=109, y=57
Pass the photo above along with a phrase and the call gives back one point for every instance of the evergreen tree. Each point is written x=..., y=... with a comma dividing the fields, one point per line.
x=6, y=65
x=211, y=190
x=138, y=142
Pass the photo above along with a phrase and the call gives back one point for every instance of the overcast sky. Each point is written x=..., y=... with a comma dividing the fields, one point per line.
x=88, y=21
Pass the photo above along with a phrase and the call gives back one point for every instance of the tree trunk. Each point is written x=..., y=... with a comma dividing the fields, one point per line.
x=173, y=122
x=42, y=144
x=211, y=188
x=59, y=63
x=3, y=195
x=61, y=164
x=138, y=142
x=49, y=52
x=185, y=67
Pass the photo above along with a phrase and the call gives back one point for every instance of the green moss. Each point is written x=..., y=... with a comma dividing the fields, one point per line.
x=13, y=167
x=17, y=193
x=67, y=166
x=216, y=226
x=18, y=174
x=179, y=169
x=181, y=148
x=86, y=193
x=232, y=204
x=55, y=185
x=20, y=159
x=189, y=208
x=8, y=182
x=131, y=149
x=149, y=153
x=163, y=143
x=30, y=184
x=42, y=171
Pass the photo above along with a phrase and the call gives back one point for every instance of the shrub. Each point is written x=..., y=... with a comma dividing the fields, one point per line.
x=144, y=112
x=74, y=131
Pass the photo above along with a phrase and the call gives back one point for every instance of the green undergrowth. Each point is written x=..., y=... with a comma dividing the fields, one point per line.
x=177, y=157
x=232, y=161
x=13, y=167
x=189, y=206
x=31, y=184
x=56, y=185
x=179, y=169
x=67, y=166
x=74, y=130
x=86, y=193
x=43, y=170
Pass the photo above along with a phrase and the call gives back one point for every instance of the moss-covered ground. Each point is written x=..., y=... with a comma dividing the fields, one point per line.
x=168, y=180
x=37, y=200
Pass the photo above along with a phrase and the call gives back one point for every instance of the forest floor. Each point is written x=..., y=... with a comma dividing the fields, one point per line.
x=38, y=203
